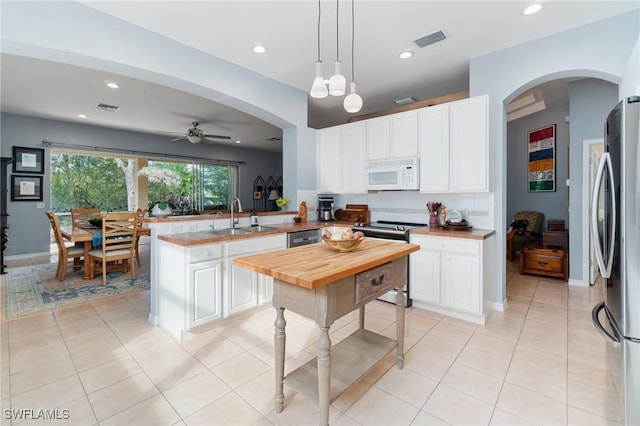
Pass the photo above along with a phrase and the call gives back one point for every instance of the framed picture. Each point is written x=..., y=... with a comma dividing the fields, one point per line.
x=28, y=160
x=26, y=188
x=541, y=166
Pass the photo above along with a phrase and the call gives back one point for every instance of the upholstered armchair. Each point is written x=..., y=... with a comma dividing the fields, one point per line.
x=524, y=228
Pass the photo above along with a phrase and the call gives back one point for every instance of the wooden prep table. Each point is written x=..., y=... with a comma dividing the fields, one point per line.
x=324, y=285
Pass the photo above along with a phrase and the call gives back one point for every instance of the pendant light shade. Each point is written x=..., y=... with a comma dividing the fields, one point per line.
x=319, y=88
x=353, y=101
x=337, y=82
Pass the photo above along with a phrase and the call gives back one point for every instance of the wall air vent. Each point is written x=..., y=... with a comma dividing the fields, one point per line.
x=430, y=39
x=108, y=107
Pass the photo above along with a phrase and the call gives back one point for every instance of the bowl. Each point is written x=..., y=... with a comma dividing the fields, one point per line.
x=297, y=219
x=343, y=245
x=96, y=221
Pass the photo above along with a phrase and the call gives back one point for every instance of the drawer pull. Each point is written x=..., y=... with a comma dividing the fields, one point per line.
x=375, y=282
x=542, y=263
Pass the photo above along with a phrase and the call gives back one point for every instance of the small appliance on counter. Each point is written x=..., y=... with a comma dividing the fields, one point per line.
x=325, y=208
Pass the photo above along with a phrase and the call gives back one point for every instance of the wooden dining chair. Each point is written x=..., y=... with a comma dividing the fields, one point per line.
x=64, y=252
x=118, y=249
x=80, y=217
x=142, y=231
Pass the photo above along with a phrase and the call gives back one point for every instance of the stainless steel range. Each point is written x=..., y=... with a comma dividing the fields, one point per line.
x=389, y=230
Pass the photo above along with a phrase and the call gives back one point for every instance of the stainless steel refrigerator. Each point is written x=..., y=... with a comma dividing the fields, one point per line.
x=616, y=232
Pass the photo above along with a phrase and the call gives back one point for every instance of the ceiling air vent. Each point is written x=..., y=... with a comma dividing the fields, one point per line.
x=108, y=107
x=430, y=39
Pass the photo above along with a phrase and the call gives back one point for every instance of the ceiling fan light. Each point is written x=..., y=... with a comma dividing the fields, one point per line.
x=353, y=102
x=337, y=82
x=319, y=88
x=194, y=139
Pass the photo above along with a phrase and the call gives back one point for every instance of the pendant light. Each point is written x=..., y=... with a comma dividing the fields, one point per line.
x=319, y=88
x=337, y=82
x=352, y=102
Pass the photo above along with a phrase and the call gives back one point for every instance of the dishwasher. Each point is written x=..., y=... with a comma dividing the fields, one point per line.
x=302, y=238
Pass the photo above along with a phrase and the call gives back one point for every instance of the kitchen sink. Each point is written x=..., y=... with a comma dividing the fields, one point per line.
x=257, y=228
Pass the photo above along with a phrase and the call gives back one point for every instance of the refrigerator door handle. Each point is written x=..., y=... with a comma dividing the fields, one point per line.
x=596, y=322
x=605, y=161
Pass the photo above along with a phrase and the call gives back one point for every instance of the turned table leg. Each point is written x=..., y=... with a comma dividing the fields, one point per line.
x=324, y=374
x=279, y=339
x=400, y=300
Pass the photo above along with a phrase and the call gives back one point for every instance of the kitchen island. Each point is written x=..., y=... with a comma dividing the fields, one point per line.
x=324, y=285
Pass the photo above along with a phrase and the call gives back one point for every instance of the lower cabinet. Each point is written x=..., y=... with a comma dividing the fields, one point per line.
x=200, y=284
x=204, y=292
x=446, y=276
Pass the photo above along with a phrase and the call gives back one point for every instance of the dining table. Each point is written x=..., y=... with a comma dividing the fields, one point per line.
x=81, y=234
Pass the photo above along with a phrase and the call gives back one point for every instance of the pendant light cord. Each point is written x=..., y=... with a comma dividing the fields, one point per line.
x=353, y=32
x=337, y=33
x=319, y=12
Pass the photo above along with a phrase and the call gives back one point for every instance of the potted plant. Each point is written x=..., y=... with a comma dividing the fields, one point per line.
x=162, y=207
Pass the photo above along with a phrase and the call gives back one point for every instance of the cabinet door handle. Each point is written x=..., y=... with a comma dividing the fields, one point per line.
x=542, y=263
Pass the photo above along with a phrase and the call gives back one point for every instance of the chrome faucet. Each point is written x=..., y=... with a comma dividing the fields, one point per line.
x=235, y=200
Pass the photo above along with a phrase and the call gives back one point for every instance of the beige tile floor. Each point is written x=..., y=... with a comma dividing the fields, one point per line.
x=539, y=363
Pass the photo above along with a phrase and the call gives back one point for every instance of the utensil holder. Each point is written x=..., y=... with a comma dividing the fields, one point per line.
x=433, y=221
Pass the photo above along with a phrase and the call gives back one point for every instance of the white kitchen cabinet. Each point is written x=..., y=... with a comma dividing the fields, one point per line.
x=205, y=295
x=404, y=135
x=190, y=286
x=434, y=150
x=446, y=276
x=242, y=286
x=341, y=159
x=352, y=141
x=199, y=284
x=378, y=138
x=454, y=144
x=469, y=149
x=425, y=267
x=392, y=136
x=328, y=161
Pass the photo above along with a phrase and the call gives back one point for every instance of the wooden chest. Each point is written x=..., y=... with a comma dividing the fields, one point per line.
x=556, y=239
x=544, y=261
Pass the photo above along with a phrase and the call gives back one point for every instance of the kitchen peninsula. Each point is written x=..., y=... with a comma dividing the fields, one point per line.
x=324, y=285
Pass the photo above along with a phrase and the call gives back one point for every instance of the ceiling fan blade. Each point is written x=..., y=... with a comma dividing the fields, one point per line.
x=177, y=139
x=171, y=133
x=217, y=137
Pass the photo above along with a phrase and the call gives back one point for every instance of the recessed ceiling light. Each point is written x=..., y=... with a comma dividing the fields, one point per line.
x=258, y=48
x=238, y=142
x=534, y=8
x=112, y=85
x=406, y=54
x=82, y=116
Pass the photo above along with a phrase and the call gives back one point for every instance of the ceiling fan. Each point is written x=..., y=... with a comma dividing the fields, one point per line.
x=196, y=135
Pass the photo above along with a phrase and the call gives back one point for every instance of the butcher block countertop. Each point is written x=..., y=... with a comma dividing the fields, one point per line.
x=472, y=234
x=316, y=265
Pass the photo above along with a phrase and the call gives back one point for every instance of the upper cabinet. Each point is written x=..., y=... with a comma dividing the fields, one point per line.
x=392, y=136
x=451, y=140
x=454, y=144
x=340, y=158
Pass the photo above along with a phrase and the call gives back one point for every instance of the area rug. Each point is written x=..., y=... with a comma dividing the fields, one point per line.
x=32, y=289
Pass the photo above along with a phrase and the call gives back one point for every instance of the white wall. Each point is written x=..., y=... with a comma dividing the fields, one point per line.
x=507, y=73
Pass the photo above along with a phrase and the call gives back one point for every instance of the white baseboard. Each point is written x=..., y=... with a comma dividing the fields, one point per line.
x=27, y=256
x=578, y=283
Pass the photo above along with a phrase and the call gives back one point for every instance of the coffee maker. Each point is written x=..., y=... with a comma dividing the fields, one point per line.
x=325, y=208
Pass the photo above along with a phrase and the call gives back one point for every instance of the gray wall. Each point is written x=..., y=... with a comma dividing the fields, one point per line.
x=28, y=220
x=555, y=204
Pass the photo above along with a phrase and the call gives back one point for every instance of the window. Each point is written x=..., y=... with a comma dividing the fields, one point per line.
x=83, y=180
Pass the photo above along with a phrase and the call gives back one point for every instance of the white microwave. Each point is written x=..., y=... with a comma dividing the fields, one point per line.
x=390, y=175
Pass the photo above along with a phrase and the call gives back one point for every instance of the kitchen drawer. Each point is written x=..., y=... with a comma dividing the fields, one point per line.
x=454, y=245
x=254, y=244
x=375, y=281
x=205, y=252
